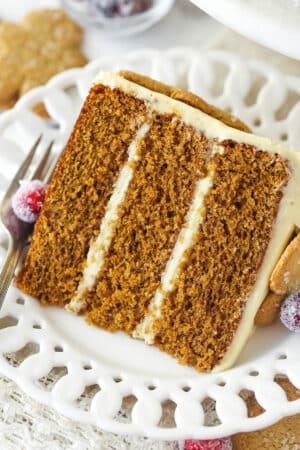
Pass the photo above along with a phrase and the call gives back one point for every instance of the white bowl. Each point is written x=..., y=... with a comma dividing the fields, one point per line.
x=118, y=26
x=275, y=24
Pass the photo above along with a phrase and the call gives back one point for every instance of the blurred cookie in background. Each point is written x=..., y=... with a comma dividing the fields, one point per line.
x=45, y=43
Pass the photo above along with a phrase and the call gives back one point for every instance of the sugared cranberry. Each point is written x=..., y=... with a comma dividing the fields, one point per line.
x=209, y=444
x=290, y=312
x=28, y=200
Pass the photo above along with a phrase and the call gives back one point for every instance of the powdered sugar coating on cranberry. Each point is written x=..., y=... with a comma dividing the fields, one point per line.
x=27, y=201
x=209, y=444
x=290, y=312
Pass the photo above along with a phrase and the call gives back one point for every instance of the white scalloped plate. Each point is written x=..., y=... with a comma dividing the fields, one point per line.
x=121, y=366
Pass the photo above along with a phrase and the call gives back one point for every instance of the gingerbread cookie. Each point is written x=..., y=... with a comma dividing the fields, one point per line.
x=286, y=275
x=45, y=43
x=285, y=434
x=269, y=310
x=284, y=280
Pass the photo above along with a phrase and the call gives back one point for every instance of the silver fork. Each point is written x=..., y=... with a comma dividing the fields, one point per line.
x=18, y=232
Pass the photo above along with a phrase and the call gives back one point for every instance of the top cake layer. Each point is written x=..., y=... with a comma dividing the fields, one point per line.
x=172, y=221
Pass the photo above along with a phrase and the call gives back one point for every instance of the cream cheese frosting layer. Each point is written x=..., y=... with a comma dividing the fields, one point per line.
x=99, y=247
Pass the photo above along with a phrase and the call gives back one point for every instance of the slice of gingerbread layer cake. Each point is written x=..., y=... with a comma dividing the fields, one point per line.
x=165, y=219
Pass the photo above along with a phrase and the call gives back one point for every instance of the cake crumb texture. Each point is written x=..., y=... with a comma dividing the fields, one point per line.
x=151, y=217
x=79, y=191
x=200, y=317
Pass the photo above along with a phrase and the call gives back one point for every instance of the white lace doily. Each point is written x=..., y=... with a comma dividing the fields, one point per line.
x=28, y=425
x=90, y=375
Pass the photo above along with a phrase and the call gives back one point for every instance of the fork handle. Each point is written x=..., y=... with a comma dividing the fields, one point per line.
x=8, y=269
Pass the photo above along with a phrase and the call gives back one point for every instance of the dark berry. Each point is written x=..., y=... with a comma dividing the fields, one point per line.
x=290, y=312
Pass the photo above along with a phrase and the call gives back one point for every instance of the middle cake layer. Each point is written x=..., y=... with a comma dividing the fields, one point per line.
x=149, y=221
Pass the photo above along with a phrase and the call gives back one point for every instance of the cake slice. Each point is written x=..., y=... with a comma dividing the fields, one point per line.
x=165, y=219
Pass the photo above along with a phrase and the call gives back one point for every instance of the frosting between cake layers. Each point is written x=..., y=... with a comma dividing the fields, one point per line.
x=287, y=218
x=100, y=245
